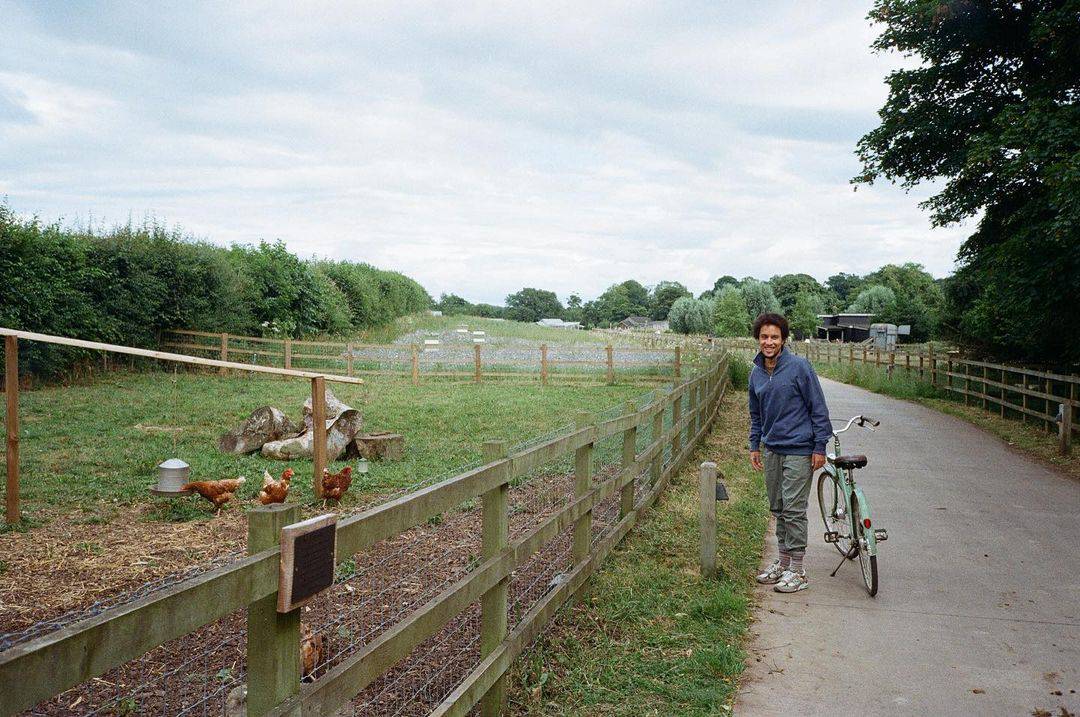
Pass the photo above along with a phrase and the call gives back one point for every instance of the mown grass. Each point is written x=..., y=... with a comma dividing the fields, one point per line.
x=652, y=637
x=89, y=447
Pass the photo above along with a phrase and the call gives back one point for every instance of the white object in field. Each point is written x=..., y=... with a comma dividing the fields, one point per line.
x=172, y=474
x=479, y=333
x=462, y=331
x=362, y=466
x=431, y=342
x=480, y=340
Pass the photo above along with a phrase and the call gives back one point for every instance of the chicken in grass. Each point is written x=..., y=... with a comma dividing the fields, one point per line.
x=275, y=491
x=218, y=492
x=334, y=485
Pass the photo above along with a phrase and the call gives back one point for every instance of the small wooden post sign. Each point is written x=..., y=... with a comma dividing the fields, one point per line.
x=308, y=551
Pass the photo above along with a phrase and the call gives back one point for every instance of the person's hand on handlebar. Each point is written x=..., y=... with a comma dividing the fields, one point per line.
x=817, y=461
x=755, y=460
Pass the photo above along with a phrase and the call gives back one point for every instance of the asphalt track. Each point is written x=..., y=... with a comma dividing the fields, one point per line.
x=979, y=607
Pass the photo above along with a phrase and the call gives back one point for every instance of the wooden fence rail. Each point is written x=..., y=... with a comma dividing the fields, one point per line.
x=418, y=361
x=42, y=668
x=1012, y=391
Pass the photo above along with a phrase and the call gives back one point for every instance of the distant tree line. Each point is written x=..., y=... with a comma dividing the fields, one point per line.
x=127, y=285
x=904, y=294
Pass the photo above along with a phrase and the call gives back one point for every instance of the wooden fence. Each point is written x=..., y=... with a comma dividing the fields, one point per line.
x=444, y=360
x=1012, y=391
x=44, y=667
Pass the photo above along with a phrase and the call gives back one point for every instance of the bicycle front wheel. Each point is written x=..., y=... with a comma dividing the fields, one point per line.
x=830, y=497
x=867, y=562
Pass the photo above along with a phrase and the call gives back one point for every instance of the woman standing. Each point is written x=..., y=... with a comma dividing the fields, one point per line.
x=789, y=428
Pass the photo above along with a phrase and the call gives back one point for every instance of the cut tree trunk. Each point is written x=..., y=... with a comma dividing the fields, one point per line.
x=381, y=446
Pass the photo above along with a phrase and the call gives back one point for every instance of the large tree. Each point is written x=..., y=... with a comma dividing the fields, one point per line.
x=663, y=296
x=730, y=317
x=532, y=305
x=759, y=298
x=629, y=298
x=787, y=288
x=990, y=109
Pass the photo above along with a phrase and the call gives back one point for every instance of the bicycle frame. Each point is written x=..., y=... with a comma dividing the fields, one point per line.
x=847, y=482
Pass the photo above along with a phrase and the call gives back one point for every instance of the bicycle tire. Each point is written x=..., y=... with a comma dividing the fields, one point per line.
x=867, y=563
x=830, y=500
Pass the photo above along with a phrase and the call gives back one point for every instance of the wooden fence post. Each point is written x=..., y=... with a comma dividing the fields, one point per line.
x=224, y=353
x=1065, y=429
x=984, y=389
x=933, y=365
x=415, y=364
x=543, y=365
x=288, y=353
x=1004, y=397
x=657, y=465
x=967, y=384
x=493, y=603
x=678, y=362
x=707, y=499
x=476, y=363
x=583, y=459
x=11, y=425
x=892, y=363
x=349, y=359
x=273, y=638
x=851, y=355
x=610, y=364
x=318, y=433
x=676, y=416
x=629, y=454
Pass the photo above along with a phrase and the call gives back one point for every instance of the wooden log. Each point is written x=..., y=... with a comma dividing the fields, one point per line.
x=381, y=446
x=11, y=425
x=273, y=638
x=318, y=433
x=493, y=603
x=707, y=501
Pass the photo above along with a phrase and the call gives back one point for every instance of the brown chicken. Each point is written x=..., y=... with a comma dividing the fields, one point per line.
x=312, y=653
x=218, y=492
x=275, y=491
x=334, y=485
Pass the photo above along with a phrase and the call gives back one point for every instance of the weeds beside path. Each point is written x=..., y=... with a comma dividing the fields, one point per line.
x=652, y=638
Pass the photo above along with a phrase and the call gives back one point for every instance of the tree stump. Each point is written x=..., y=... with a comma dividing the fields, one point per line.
x=381, y=446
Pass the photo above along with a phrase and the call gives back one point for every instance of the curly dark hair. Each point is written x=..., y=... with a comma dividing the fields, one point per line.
x=772, y=320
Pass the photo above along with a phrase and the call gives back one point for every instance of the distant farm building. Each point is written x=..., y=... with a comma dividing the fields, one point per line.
x=844, y=327
x=559, y=324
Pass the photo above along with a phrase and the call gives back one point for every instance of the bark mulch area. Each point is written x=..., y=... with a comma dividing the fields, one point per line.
x=374, y=590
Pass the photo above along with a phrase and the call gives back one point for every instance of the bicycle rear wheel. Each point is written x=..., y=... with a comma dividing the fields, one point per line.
x=830, y=496
x=867, y=562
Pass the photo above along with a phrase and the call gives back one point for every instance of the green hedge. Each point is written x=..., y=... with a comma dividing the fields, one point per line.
x=129, y=285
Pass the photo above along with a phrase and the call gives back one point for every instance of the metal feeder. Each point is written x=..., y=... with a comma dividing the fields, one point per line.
x=172, y=474
x=362, y=466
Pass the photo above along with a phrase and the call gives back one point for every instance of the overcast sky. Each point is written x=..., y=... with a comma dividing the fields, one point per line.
x=477, y=147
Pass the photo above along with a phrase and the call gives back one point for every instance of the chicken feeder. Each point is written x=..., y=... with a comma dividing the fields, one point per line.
x=172, y=475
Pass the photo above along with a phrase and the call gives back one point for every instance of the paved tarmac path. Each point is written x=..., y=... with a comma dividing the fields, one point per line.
x=978, y=612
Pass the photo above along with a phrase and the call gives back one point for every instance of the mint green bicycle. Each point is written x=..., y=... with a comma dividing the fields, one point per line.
x=845, y=510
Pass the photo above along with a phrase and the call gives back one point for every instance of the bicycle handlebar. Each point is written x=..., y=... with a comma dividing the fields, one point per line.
x=862, y=421
x=866, y=419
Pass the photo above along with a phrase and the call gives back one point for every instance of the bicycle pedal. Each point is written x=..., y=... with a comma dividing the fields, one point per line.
x=880, y=534
x=832, y=537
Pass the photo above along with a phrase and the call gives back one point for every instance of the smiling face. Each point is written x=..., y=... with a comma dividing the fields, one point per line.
x=770, y=341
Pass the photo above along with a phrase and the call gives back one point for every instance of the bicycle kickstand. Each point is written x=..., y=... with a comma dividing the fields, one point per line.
x=833, y=573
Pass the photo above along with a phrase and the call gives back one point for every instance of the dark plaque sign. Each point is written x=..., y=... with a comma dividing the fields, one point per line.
x=307, y=561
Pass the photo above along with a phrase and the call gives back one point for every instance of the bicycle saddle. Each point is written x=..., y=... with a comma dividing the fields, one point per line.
x=850, y=462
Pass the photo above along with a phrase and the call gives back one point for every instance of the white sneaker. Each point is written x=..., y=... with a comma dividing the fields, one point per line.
x=792, y=582
x=772, y=573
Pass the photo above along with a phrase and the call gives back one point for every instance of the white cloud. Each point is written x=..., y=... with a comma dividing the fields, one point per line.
x=478, y=147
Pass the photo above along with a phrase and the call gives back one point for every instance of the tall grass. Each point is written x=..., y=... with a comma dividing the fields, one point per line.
x=901, y=384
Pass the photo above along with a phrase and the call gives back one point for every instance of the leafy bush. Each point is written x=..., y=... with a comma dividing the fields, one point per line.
x=739, y=371
x=129, y=285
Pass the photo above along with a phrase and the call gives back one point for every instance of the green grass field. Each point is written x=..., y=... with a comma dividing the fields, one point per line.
x=493, y=328
x=93, y=447
x=653, y=638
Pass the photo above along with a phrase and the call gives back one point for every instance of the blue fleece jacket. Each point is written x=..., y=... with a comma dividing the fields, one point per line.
x=787, y=407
